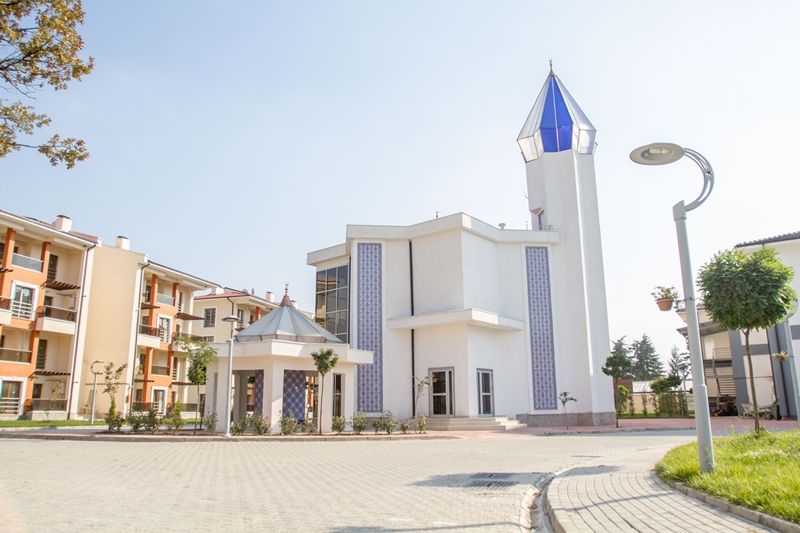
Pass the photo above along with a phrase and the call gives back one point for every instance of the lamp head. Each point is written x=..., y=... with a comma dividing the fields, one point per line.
x=231, y=318
x=657, y=154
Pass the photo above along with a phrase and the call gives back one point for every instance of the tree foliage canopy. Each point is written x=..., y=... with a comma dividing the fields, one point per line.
x=744, y=291
x=200, y=355
x=618, y=364
x=647, y=366
x=679, y=364
x=39, y=47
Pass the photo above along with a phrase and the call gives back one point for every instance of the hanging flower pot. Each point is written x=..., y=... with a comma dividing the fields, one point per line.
x=781, y=356
x=665, y=297
x=664, y=304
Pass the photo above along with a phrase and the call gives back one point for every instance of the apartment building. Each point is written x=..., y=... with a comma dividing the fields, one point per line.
x=44, y=297
x=221, y=302
x=140, y=309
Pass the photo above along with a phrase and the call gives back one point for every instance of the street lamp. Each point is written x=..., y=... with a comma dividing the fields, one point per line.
x=792, y=360
x=664, y=154
x=232, y=319
x=94, y=390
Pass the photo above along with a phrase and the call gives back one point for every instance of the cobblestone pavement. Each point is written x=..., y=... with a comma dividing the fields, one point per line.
x=469, y=484
x=621, y=493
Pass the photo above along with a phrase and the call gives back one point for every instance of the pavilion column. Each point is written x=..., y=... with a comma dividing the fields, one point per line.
x=258, y=393
x=240, y=396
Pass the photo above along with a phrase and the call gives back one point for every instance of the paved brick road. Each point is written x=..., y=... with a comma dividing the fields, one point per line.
x=397, y=486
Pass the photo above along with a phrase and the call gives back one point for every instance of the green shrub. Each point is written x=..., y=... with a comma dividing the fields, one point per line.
x=308, y=426
x=135, y=421
x=288, y=425
x=211, y=421
x=420, y=423
x=405, y=425
x=176, y=421
x=238, y=428
x=359, y=422
x=152, y=421
x=114, y=422
x=337, y=424
x=261, y=425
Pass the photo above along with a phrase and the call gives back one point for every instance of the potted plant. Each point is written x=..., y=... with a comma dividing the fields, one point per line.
x=665, y=297
x=781, y=356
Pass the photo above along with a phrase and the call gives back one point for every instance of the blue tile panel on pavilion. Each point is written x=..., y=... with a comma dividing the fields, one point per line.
x=555, y=124
x=540, y=315
x=370, y=326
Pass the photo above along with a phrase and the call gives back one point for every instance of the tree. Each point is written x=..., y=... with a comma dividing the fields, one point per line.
x=746, y=292
x=564, y=398
x=647, y=366
x=39, y=46
x=111, y=377
x=680, y=365
x=325, y=360
x=200, y=355
x=618, y=366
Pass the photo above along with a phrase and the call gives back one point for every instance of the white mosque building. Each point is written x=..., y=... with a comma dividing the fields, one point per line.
x=502, y=320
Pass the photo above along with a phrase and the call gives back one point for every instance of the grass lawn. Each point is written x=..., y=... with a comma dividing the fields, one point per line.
x=758, y=473
x=46, y=423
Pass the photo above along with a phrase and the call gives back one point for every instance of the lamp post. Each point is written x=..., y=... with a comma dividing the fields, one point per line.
x=664, y=154
x=792, y=360
x=232, y=319
x=94, y=391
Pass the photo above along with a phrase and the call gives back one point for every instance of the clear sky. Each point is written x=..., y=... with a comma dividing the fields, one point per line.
x=230, y=139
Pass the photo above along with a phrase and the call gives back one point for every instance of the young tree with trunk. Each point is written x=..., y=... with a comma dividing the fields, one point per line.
x=39, y=46
x=200, y=355
x=618, y=366
x=747, y=291
x=325, y=360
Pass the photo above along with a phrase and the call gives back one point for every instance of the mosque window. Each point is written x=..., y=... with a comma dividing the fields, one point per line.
x=333, y=300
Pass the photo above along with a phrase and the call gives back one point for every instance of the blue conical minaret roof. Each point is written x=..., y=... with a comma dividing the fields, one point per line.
x=555, y=123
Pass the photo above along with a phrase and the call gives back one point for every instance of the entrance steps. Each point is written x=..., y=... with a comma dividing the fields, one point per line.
x=498, y=423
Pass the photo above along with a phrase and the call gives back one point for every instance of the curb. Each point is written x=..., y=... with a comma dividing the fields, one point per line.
x=218, y=438
x=779, y=524
x=606, y=431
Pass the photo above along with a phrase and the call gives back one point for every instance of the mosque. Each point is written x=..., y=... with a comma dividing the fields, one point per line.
x=502, y=321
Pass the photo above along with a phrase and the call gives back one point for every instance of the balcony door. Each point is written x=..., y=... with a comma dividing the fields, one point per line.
x=10, y=397
x=22, y=302
x=159, y=397
x=442, y=393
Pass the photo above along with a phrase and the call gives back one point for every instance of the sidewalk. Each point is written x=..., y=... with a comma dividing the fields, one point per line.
x=623, y=494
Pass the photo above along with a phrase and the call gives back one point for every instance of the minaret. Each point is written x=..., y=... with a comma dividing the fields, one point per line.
x=557, y=143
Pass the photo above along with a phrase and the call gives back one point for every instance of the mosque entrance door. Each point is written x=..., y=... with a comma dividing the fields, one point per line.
x=441, y=392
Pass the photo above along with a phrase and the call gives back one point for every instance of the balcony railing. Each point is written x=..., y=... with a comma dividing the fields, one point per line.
x=21, y=310
x=165, y=299
x=23, y=261
x=199, y=338
x=143, y=407
x=9, y=406
x=38, y=404
x=144, y=329
x=159, y=370
x=15, y=356
x=59, y=313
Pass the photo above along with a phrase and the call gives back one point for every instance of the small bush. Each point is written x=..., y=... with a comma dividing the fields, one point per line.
x=405, y=425
x=359, y=422
x=152, y=421
x=114, y=423
x=261, y=425
x=337, y=424
x=135, y=421
x=211, y=421
x=238, y=428
x=176, y=421
x=308, y=426
x=388, y=422
x=420, y=423
x=288, y=425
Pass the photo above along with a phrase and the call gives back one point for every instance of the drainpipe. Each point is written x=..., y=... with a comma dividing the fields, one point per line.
x=138, y=314
x=413, y=364
x=78, y=329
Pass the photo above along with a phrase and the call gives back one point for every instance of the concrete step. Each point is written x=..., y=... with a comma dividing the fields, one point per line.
x=500, y=423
